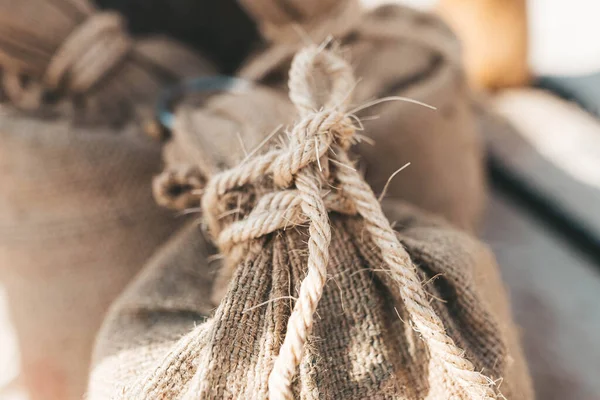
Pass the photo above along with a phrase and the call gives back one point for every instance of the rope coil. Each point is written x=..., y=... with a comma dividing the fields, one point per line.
x=300, y=171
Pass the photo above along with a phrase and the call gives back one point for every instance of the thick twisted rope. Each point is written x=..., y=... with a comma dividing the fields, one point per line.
x=441, y=346
x=311, y=289
x=88, y=54
x=91, y=50
x=324, y=133
x=311, y=140
x=277, y=211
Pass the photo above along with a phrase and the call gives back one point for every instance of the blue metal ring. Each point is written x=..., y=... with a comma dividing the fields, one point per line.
x=203, y=84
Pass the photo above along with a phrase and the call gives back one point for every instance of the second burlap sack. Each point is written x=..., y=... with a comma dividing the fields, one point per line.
x=77, y=217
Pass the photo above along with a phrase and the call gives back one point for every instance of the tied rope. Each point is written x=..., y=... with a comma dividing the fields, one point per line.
x=300, y=171
x=88, y=54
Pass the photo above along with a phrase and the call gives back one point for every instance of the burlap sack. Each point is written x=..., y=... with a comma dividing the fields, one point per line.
x=170, y=302
x=397, y=51
x=52, y=51
x=344, y=317
x=77, y=218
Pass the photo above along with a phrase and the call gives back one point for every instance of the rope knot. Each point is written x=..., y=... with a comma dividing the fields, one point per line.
x=320, y=84
x=310, y=141
x=93, y=49
x=178, y=188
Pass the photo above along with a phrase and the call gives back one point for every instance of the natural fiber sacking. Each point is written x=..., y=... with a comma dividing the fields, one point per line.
x=362, y=345
x=66, y=49
x=315, y=295
x=77, y=221
x=396, y=51
x=77, y=217
x=414, y=55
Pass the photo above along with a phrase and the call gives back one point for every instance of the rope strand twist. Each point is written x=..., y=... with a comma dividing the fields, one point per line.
x=300, y=171
x=87, y=55
x=89, y=52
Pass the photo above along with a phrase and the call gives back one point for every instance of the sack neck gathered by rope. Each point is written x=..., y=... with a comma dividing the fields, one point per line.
x=91, y=51
x=87, y=55
x=308, y=177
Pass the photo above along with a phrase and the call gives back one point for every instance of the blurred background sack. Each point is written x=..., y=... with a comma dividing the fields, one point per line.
x=77, y=215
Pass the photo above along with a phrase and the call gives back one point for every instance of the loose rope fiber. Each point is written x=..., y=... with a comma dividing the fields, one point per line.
x=300, y=171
